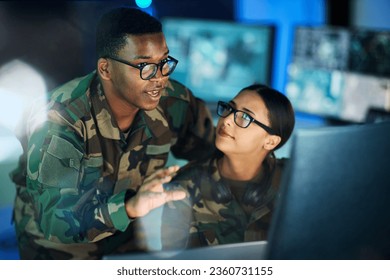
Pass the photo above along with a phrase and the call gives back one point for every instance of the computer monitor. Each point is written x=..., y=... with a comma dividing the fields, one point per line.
x=315, y=91
x=335, y=195
x=341, y=95
x=321, y=47
x=219, y=58
x=361, y=93
x=357, y=50
x=369, y=52
x=339, y=73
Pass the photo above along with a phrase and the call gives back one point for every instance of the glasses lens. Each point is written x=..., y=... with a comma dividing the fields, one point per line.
x=223, y=109
x=148, y=71
x=168, y=67
x=242, y=119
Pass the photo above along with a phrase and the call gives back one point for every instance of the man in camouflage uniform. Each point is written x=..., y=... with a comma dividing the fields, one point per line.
x=81, y=181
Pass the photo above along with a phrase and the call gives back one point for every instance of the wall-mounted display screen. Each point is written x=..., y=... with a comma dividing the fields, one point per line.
x=339, y=73
x=369, y=52
x=216, y=58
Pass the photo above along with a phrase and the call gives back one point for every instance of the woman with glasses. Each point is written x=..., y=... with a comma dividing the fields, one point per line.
x=231, y=195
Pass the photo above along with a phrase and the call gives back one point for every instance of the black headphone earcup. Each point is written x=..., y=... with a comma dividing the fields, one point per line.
x=252, y=196
x=221, y=193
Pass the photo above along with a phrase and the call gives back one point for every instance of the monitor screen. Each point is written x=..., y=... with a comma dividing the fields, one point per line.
x=339, y=73
x=362, y=93
x=321, y=47
x=336, y=94
x=334, y=200
x=370, y=52
x=315, y=91
x=217, y=58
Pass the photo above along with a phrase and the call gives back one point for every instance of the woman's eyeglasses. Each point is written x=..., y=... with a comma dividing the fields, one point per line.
x=241, y=118
x=149, y=70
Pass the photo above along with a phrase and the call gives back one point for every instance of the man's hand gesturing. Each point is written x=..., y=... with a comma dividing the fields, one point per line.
x=151, y=194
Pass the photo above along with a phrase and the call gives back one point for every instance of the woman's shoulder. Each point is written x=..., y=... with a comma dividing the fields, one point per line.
x=193, y=169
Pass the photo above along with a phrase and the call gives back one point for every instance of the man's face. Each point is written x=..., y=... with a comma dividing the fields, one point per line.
x=128, y=87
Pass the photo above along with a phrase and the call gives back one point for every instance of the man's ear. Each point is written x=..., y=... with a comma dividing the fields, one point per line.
x=271, y=142
x=103, y=69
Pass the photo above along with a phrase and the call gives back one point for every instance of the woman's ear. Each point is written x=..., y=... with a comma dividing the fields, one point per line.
x=271, y=142
x=103, y=69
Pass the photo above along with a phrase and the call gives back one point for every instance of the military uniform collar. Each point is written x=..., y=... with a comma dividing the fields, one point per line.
x=213, y=169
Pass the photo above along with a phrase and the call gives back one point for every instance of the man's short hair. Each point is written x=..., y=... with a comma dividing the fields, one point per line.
x=114, y=27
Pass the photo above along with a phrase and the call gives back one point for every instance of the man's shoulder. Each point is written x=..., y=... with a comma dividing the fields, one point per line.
x=71, y=99
x=177, y=90
x=72, y=90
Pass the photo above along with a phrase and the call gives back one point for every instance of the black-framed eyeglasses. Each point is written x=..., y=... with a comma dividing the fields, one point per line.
x=241, y=118
x=149, y=70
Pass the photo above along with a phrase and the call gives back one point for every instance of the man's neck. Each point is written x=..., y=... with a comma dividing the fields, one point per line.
x=123, y=112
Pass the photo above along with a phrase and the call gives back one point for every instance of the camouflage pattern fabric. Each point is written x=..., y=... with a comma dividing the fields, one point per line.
x=201, y=221
x=78, y=168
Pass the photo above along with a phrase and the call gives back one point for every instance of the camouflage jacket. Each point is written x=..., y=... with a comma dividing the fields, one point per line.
x=80, y=167
x=208, y=222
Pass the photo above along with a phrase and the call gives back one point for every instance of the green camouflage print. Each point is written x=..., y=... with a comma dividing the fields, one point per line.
x=78, y=168
x=201, y=221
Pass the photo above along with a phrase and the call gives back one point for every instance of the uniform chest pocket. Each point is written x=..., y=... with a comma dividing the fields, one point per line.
x=158, y=156
x=93, y=167
x=154, y=150
x=61, y=164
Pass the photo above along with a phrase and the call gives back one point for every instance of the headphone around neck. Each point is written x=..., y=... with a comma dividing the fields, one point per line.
x=254, y=195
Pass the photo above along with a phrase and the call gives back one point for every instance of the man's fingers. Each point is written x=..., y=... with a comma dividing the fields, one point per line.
x=144, y=202
x=162, y=173
x=170, y=171
x=156, y=185
x=175, y=195
x=158, y=199
x=173, y=169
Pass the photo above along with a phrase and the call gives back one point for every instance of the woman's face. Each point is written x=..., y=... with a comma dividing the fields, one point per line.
x=232, y=139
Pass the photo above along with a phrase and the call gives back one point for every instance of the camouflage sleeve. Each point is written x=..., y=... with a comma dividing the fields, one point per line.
x=69, y=207
x=196, y=132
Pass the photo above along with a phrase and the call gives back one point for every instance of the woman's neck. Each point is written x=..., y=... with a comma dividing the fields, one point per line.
x=240, y=168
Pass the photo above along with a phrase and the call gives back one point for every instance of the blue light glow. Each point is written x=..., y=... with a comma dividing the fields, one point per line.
x=143, y=3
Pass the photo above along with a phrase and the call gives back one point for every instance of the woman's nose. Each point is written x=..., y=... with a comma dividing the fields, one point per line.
x=229, y=119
